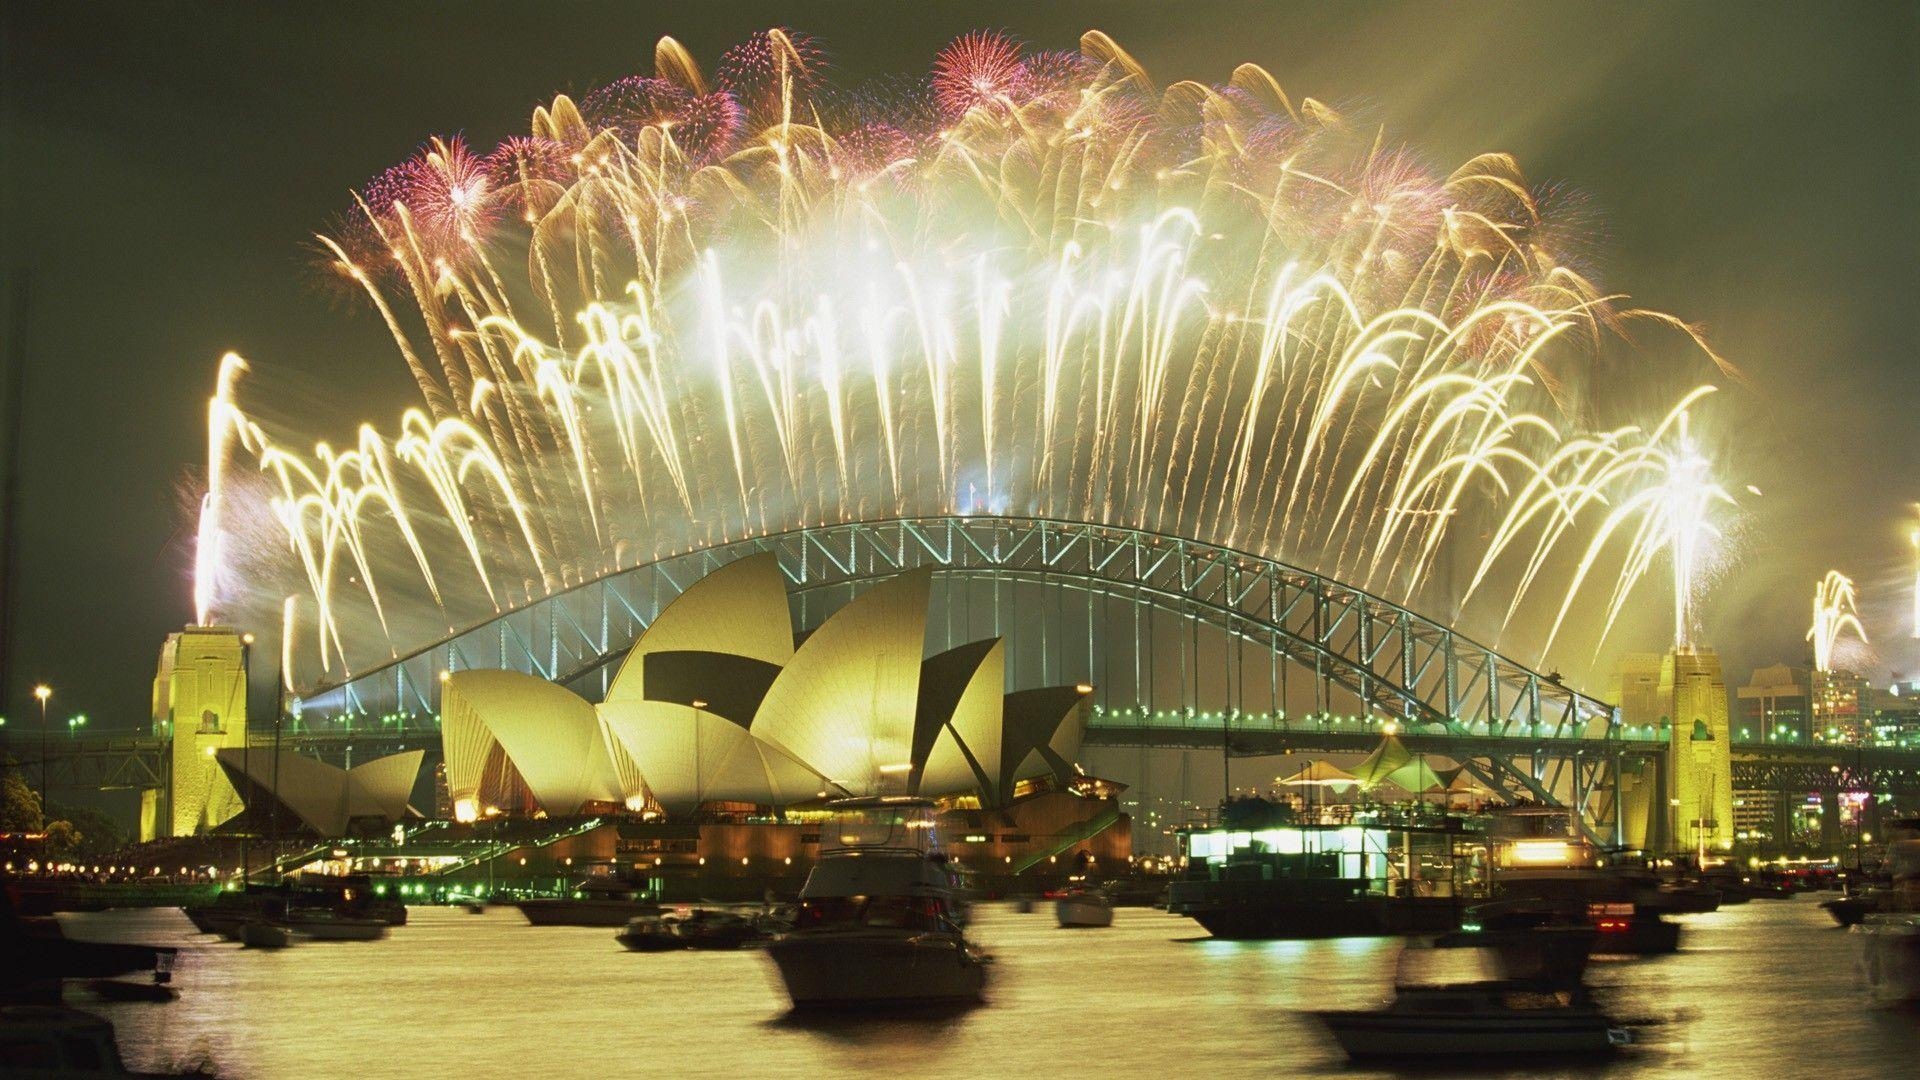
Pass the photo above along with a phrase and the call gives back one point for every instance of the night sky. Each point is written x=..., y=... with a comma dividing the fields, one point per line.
x=1749, y=167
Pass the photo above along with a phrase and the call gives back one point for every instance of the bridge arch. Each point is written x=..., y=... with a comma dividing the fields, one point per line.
x=1385, y=659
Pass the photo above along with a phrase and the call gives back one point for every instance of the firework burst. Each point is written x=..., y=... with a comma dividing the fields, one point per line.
x=982, y=70
x=1209, y=311
x=1835, y=613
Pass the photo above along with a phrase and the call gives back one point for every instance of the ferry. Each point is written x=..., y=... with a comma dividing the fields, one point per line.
x=879, y=921
x=1265, y=874
x=1545, y=875
x=597, y=901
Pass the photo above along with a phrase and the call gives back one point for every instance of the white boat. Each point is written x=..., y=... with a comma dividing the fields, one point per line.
x=1478, y=1020
x=1537, y=1006
x=878, y=925
x=323, y=925
x=1082, y=907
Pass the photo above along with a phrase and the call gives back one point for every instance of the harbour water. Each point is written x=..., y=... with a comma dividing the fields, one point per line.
x=1763, y=989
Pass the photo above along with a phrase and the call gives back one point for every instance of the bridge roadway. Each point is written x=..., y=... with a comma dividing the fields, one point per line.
x=106, y=761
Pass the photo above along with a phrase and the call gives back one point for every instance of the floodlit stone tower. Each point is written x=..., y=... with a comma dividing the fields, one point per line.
x=1684, y=692
x=1700, y=755
x=200, y=706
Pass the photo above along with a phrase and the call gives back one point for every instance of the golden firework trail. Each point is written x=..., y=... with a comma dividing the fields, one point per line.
x=1913, y=538
x=684, y=310
x=1834, y=613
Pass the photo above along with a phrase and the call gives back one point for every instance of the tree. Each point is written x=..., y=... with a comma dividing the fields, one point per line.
x=19, y=804
x=96, y=833
x=62, y=839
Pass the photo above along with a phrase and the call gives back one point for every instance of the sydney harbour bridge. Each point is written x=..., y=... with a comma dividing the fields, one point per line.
x=1188, y=645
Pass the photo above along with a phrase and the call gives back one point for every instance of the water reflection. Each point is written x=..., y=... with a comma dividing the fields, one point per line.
x=1762, y=989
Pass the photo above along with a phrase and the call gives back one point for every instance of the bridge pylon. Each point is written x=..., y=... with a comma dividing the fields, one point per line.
x=199, y=707
x=1684, y=693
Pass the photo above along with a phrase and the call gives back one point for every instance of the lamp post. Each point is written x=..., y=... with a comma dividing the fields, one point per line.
x=246, y=759
x=43, y=692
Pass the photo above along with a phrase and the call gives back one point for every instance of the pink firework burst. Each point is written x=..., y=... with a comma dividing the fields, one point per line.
x=869, y=148
x=447, y=190
x=384, y=190
x=978, y=69
x=633, y=103
x=530, y=172
x=756, y=70
x=708, y=126
x=1056, y=71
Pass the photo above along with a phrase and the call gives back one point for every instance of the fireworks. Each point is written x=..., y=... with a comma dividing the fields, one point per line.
x=1913, y=538
x=681, y=313
x=978, y=71
x=1834, y=613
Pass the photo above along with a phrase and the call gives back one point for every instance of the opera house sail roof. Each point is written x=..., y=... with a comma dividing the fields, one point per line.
x=715, y=703
x=326, y=800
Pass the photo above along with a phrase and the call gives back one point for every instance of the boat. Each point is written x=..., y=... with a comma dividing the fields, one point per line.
x=1477, y=1020
x=1534, y=1005
x=122, y=990
x=1853, y=908
x=598, y=901
x=322, y=924
x=1686, y=898
x=1669, y=897
x=36, y=956
x=650, y=933
x=1081, y=907
x=1545, y=876
x=1890, y=957
x=716, y=930
x=877, y=923
x=1263, y=874
x=349, y=896
x=56, y=1041
x=261, y=934
x=1890, y=937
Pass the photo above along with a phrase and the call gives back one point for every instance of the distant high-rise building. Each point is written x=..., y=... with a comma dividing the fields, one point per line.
x=1776, y=706
x=1838, y=716
x=1896, y=712
x=1638, y=690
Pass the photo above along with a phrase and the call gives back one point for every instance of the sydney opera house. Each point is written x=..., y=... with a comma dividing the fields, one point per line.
x=705, y=765
x=714, y=750
x=720, y=704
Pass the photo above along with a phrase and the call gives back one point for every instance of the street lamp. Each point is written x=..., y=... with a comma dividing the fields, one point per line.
x=75, y=723
x=42, y=692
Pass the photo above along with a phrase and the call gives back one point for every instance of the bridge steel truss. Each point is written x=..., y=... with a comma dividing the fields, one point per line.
x=1525, y=730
